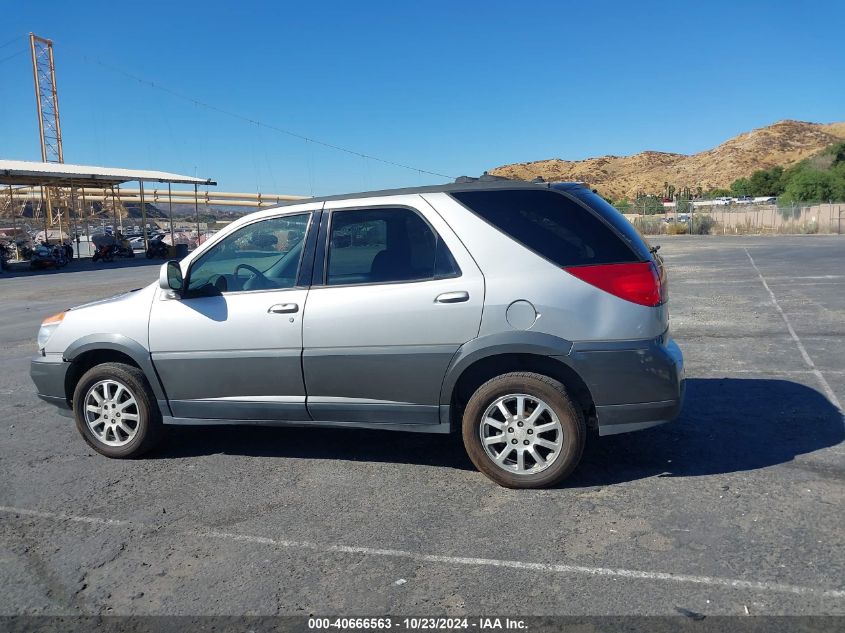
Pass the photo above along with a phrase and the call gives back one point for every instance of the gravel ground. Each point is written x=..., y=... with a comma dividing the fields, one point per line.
x=735, y=508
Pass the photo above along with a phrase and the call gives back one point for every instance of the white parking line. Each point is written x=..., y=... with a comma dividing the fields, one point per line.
x=548, y=568
x=707, y=370
x=809, y=361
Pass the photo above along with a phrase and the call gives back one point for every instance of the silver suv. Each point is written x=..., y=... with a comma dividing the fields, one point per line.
x=520, y=314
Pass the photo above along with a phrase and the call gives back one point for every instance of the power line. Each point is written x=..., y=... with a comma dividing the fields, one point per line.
x=241, y=117
x=13, y=55
x=17, y=38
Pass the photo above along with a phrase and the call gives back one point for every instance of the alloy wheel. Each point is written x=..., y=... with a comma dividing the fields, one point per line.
x=521, y=434
x=111, y=412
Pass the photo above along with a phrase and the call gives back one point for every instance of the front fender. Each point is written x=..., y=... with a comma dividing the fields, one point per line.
x=118, y=343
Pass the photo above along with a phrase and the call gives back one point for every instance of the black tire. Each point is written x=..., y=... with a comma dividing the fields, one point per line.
x=554, y=395
x=149, y=254
x=149, y=425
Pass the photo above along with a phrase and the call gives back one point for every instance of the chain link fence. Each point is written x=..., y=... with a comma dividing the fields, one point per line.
x=759, y=219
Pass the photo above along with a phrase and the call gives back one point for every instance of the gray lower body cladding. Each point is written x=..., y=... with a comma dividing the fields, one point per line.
x=243, y=384
x=634, y=384
x=376, y=384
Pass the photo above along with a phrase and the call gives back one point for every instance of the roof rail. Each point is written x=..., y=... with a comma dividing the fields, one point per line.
x=485, y=177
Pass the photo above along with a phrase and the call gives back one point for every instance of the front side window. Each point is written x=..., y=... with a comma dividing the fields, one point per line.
x=385, y=245
x=264, y=255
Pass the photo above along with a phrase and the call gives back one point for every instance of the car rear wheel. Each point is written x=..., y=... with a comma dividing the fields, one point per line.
x=116, y=412
x=522, y=430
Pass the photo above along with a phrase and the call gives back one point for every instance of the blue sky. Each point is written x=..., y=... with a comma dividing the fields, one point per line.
x=450, y=87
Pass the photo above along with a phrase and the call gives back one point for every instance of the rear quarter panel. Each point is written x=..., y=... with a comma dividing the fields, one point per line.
x=566, y=306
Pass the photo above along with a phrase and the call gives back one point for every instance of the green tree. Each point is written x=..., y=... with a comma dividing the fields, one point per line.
x=623, y=206
x=648, y=205
x=767, y=182
x=741, y=187
x=712, y=194
x=812, y=185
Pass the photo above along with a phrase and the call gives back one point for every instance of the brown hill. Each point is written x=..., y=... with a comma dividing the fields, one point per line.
x=784, y=143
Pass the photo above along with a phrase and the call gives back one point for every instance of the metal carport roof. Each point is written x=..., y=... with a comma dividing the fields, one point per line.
x=22, y=172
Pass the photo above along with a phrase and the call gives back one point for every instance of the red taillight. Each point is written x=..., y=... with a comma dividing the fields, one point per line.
x=639, y=282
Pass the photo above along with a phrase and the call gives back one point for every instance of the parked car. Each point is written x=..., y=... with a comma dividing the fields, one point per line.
x=519, y=314
x=136, y=243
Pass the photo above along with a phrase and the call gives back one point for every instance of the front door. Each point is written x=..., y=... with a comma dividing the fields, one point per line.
x=394, y=297
x=230, y=348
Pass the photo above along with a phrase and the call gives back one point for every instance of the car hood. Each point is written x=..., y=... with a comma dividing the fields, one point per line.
x=123, y=296
x=126, y=315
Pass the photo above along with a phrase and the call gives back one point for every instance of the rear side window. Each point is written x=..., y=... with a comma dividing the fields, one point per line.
x=613, y=217
x=550, y=224
x=385, y=245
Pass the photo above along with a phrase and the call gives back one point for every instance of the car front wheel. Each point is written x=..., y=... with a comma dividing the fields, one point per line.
x=522, y=430
x=116, y=411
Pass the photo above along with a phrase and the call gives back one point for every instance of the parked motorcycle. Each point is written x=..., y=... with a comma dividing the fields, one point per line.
x=24, y=250
x=104, y=252
x=107, y=252
x=124, y=250
x=157, y=248
x=44, y=256
x=5, y=255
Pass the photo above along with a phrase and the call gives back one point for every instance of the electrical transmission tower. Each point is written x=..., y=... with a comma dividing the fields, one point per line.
x=47, y=102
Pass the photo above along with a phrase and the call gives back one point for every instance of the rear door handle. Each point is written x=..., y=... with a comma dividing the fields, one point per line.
x=453, y=297
x=283, y=308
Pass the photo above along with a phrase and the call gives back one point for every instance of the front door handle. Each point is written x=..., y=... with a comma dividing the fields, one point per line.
x=283, y=308
x=453, y=297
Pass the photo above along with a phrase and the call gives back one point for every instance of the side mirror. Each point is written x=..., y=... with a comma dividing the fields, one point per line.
x=170, y=277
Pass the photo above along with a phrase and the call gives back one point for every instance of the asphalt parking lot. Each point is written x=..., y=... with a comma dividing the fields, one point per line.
x=736, y=508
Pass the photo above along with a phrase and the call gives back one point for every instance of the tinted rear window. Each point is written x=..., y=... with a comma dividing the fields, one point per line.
x=550, y=224
x=612, y=216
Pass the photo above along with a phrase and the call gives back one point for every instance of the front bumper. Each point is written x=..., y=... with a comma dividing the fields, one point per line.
x=48, y=373
x=635, y=385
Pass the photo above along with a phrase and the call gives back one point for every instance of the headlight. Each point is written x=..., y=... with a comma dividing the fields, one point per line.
x=48, y=326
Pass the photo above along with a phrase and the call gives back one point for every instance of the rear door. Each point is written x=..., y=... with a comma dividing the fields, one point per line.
x=394, y=295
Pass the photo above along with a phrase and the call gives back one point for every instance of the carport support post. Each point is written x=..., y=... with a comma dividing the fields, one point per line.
x=170, y=210
x=40, y=209
x=119, y=219
x=14, y=222
x=87, y=221
x=114, y=215
x=144, y=217
x=75, y=237
x=197, y=214
x=59, y=216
